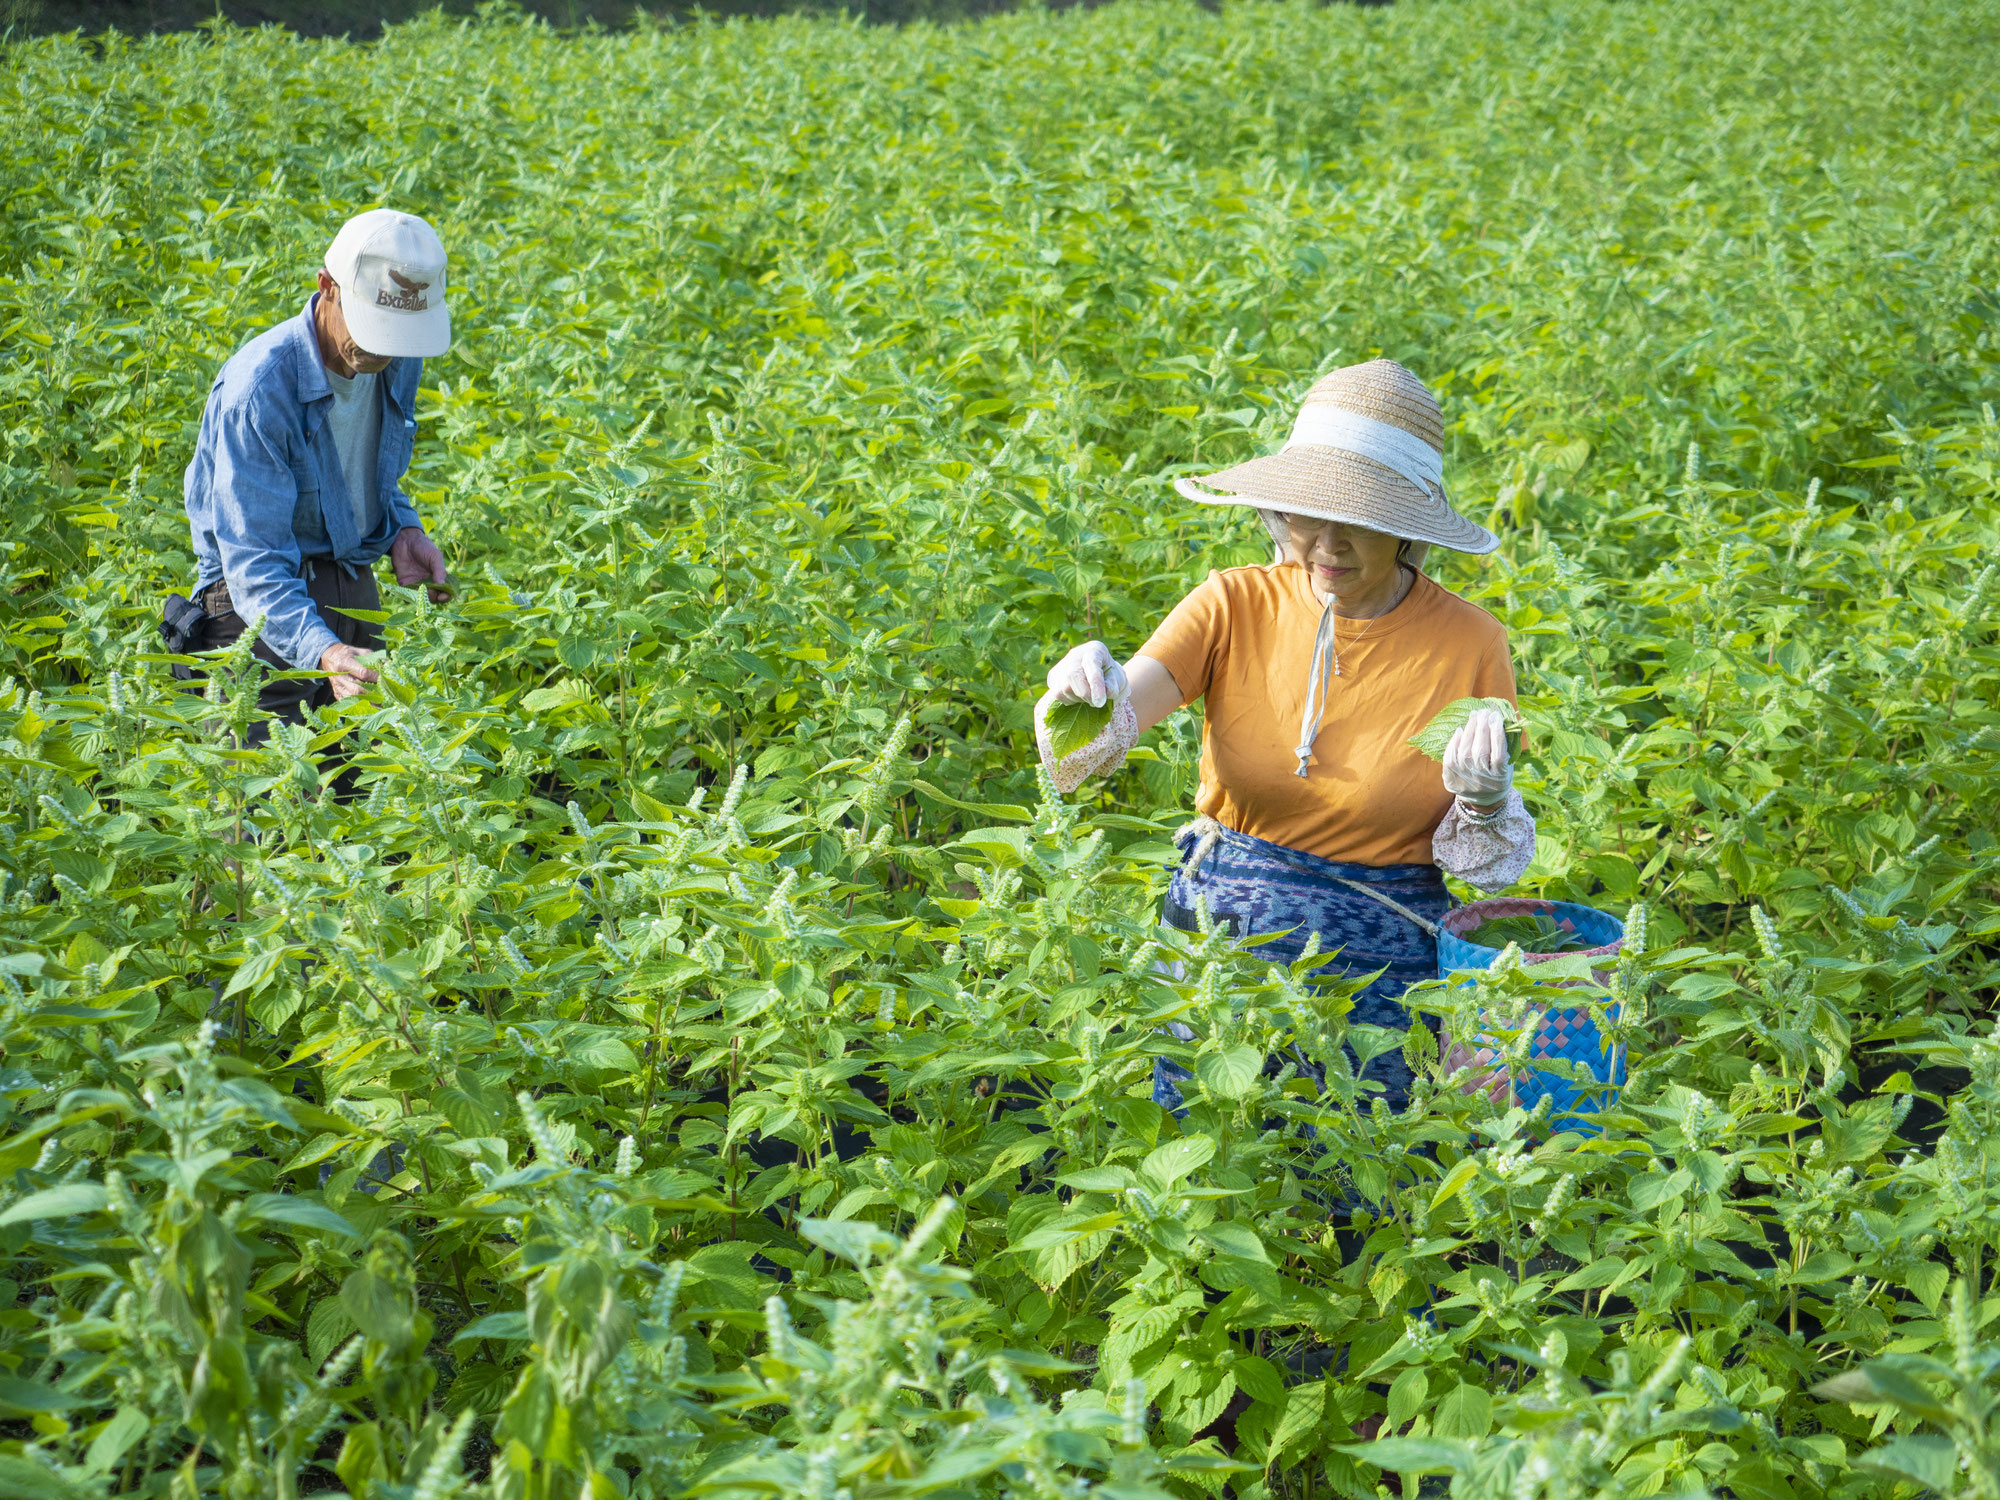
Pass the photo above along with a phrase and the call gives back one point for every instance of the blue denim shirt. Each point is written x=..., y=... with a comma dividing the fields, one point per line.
x=265, y=489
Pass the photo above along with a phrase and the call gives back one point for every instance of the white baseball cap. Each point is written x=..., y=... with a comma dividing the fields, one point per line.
x=389, y=267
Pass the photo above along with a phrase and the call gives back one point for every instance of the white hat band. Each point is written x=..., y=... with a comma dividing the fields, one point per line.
x=1325, y=426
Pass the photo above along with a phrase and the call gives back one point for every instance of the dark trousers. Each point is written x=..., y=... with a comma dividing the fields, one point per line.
x=331, y=590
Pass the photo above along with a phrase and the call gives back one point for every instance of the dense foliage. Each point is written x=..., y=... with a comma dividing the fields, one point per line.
x=699, y=1059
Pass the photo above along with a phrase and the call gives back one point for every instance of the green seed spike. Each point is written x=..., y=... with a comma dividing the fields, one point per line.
x=1635, y=929
x=928, y=1228
x=734, y=796
x=1965, y=1350
x=777, y=1326
x=439, y=1477
x=1711, y=1384
x=1133, y=1426
x=1553, y=1350
x=1767, y=934
x=338, y=1366
x=666, y=1296
x=61, y=814
x=547, y=1148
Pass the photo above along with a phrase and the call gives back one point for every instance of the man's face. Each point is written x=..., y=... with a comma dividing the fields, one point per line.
x=335, y=326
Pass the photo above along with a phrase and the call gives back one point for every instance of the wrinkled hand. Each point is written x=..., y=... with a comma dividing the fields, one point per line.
x=416, y=559
x=348, y=664
x=1089, y=675
x=1475, y=761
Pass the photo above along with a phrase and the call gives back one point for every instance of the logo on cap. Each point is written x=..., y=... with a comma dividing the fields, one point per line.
x=410, y=296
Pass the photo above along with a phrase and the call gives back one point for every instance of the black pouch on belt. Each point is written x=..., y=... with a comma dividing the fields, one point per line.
x=1183, y=917
x=180, y=628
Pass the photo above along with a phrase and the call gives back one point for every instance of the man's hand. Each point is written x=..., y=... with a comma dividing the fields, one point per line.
x=351, y=675
x=416, y=559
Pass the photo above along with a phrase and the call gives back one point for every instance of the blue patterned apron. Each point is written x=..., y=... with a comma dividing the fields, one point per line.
x=1252, y=885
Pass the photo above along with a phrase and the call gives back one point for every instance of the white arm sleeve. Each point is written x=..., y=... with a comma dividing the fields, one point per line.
x=1100, y=757
x=1488, y=852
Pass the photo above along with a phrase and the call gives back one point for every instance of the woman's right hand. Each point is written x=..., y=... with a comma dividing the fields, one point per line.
x=1089, y=674
x=1475, y=761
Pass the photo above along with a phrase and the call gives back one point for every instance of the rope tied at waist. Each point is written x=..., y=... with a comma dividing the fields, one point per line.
x=1206, y=833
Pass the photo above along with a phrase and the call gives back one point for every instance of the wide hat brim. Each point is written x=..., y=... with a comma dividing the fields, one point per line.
x=1336, y=485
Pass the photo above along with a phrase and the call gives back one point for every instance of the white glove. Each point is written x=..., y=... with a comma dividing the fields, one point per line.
x=1089, y=675
x=1475, y=762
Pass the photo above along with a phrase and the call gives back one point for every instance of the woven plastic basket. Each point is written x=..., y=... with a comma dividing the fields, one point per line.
x=1570, y=1035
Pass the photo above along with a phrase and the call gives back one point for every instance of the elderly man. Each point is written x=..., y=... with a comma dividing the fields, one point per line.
x=294, y=488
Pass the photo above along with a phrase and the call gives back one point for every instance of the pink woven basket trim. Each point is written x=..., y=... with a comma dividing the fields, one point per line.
x=1458, y=923
x=1562, y=1034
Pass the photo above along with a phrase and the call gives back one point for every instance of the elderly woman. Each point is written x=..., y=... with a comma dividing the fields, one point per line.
x=1318, y=816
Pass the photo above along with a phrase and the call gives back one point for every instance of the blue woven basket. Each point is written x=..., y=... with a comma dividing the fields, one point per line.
x=1570, y=1035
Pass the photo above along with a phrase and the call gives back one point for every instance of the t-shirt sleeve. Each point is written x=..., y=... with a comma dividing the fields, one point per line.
x=1494, y=677
x=1191, y=640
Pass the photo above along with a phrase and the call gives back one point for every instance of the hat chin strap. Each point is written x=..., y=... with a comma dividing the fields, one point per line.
x=1322, y=663
x=1323, y=426
x=1274, y=522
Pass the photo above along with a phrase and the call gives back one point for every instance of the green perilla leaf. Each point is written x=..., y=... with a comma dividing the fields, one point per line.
x=1074, y=725
x=1434, y=736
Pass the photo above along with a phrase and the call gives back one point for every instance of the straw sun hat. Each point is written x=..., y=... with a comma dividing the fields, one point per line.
x=1368, y=449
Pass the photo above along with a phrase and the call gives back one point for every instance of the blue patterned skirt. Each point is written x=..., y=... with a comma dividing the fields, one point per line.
x=1254, y=886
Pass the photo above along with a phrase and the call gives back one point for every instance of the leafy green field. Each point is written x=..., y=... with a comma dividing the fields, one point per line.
x=701, y=1061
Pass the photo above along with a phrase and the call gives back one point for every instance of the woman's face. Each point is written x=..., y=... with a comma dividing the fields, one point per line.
x=1350, y=562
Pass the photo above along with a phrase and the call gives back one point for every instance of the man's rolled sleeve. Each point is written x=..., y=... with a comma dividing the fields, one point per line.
x=255, y=497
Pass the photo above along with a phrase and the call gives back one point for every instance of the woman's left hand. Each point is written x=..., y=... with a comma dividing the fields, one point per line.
x=1475, y=761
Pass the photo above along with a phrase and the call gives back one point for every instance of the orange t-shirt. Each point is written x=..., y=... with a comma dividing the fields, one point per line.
x=1244, y=641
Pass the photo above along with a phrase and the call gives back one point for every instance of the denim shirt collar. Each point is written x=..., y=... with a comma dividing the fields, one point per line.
x=315, y=397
